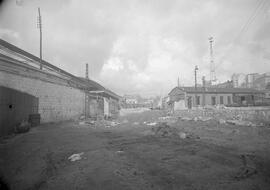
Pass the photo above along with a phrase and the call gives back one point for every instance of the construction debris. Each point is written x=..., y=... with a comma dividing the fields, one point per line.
x=152, y=124
x=164, y=130
x=75, y=157
x=222, y=121
x=182, y=135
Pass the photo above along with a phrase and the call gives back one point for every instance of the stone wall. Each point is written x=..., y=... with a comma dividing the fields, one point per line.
x=258, y=114
x=57, y=100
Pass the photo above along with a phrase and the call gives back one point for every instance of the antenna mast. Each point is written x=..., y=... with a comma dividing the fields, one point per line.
x=212, y=64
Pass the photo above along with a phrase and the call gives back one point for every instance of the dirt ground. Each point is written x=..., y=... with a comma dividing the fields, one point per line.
x=132, y=155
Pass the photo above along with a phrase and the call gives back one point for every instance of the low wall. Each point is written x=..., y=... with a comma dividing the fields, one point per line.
x=258, y=114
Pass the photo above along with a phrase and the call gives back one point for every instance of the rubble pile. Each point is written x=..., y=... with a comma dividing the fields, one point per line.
x=164, y=130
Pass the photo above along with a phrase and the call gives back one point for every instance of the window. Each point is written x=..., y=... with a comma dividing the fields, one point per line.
x=221, y=100
x=229, y=100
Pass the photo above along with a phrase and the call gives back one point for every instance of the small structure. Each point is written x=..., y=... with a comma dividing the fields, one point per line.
x=184, y=97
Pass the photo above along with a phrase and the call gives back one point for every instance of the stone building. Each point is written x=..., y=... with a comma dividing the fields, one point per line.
x=184, y=97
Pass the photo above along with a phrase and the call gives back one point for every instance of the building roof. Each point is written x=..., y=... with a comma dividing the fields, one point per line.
x=14, y=55
x=216, y=90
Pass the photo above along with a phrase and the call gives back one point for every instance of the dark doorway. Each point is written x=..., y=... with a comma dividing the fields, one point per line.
x=15, y=106
x=213, y=100
x=189, y=102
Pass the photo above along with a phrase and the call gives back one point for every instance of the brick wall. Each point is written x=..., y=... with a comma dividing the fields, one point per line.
x=56, y=101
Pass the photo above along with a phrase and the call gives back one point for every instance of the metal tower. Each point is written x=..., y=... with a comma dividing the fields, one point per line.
x=212, y=64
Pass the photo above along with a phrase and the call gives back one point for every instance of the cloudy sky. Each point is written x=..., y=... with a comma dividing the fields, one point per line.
x=143, y=46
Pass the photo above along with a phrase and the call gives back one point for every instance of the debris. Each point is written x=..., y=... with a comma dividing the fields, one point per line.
x=222, y=121
x=248, y=169
x=186, y=119
x=166, y=117
x=195, y=119
x=113, y=123
x=241, y=123
x=82, y=117
x=75, y=157
x=23, y=127
x=182, y=135
x=164, y=130
x=152, y=124
x=119, y=151
x=90, y=122
x=82, y=123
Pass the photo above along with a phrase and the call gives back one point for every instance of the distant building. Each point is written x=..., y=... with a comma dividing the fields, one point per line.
x=183, y=98
x=227, y=84
x=250, y=78
x=239, y=80
x=262, y=81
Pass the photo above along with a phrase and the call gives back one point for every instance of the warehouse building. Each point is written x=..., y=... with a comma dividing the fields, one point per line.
x=50, y=93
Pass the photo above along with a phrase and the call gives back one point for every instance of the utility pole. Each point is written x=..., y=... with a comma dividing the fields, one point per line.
x=195, y=72
x=86, y=98
x=39, y=24
x=203, y=96
x=86, y=72
x=178, y=83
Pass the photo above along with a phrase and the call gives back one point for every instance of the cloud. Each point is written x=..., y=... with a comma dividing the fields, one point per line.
x=142, y=46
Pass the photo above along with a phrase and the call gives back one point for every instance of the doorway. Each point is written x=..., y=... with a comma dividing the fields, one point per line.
x=15, y=106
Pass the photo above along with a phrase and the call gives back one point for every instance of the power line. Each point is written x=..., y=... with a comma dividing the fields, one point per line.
x=259, y=8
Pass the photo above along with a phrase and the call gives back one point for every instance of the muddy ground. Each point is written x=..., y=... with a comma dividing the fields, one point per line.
x=133, y=155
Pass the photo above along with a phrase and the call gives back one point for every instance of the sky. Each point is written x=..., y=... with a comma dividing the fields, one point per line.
x=143, y=46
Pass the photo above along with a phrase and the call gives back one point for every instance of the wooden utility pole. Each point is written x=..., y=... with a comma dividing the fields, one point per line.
x=203, y=96
x=39, y=24
x=195, y=72
x=86, y=102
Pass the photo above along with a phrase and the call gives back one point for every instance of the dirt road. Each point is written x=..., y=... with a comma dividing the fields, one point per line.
x=133, y=155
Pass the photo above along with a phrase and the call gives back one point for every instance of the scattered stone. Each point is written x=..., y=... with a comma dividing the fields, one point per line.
x=186, y=119
x=164, y=130
x=182, y=135
x=120, y=152
x=166, y=118
x=113, y=123
x=82, y=117
x=241, y=123
x=82, y=123
x=222, y=121
x=152, y=124
x=75, y=157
